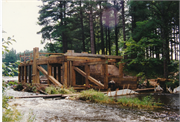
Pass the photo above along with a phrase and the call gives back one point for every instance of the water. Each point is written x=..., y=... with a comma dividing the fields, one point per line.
x=64, y=110
x=6, y=78
x=58, y=110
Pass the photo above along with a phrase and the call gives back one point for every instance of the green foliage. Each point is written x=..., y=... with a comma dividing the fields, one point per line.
x=13, y=83
x=31, y=117
x=59, y=90
x=95, y=96
x=151, y=67
x=173, y=83
x=19, y=87
x=10, y=114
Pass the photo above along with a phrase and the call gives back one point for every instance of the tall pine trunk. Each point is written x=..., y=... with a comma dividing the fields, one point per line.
x=123, y=21
x=91, y=31
x=102, y=35
x=106, y=30
x=116, y=32
x=82, y=27
x=109, y=39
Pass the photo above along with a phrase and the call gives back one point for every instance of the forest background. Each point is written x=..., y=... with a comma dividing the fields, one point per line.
x=145, y=33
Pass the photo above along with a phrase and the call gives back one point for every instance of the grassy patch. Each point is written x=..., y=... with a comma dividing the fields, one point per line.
x=59, y=90
x=147, y=102
x=91, y=95
x=94, y=96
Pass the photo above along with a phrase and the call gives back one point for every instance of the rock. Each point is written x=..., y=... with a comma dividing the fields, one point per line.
x=158, y=88
x=176, y=90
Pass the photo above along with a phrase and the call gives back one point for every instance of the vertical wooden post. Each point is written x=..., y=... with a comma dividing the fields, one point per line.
x=120, y=70
x=35, y=70
x=30, y=74
x=87, y=70
x=55, y=72
x=19, y=74
x=65, y=74
x=49, y=72
x=59, y=74
x=73, y=76
x=70, y=73
x=22, y=73
x=25, y=74
x=105, y=68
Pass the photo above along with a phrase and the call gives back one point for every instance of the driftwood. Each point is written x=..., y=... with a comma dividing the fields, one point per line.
x=43, y=96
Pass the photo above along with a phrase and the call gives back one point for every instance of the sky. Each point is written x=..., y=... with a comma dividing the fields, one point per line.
x=19, y=19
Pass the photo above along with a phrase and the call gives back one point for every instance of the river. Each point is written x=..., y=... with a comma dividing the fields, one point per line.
x=64, y=110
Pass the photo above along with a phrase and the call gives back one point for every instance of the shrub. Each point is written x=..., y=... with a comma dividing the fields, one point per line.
x=19, y=87
x=57, y=90
x=94, y=96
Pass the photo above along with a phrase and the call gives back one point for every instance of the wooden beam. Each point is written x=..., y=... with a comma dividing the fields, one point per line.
x=51, y=78
x=59, y=74
x=43, y=96
x=54, y=81
x=87, y=70
x=30, y=74
x=76, y=58
x=84, y=62
x=89, y=77
x=25, y=74
x=73, y=77
x=53, y=53
x=35, y=70
x=93, y=55
x=55, y=72
x=70, y=73
x=49, y=72
x=68, y=78
x=19, y=74
x=65, y=74
x=22, y=74
x=120, y=70
x=105, y=68
x=43, y=70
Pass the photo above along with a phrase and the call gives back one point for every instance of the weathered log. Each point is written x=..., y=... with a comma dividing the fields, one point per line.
x=89, y=77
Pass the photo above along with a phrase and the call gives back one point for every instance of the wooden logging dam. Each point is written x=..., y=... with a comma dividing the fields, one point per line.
x=73, y=69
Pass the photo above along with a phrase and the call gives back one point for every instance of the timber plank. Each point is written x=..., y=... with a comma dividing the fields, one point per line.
x=65, y=74
x=93, y=55
x=73, y=76
x=70, y=73
x=54, y=81
x=19, y=74
x=35, y=70
x=43, y=70
x=51, y=78
x=25, y=74
x=77, y=63
x=121, y=70
x=49, y=72
x=87, y=70
x=105, y=68
x=30, y=74
x=89, y=77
